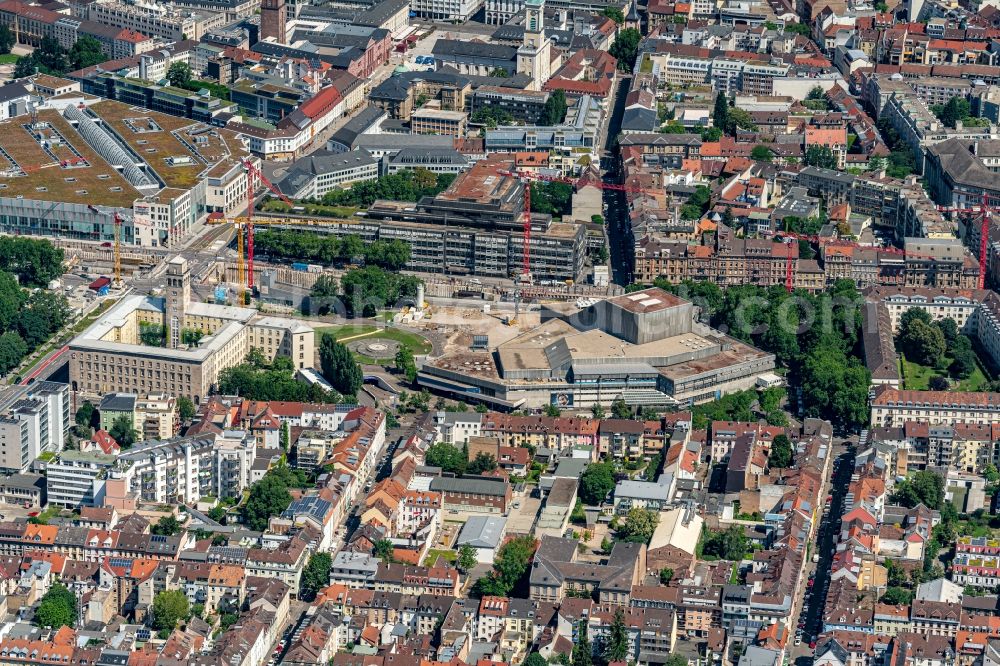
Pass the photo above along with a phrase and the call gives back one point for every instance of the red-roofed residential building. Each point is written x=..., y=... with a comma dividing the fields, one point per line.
x=130, y=43
x=833, y=138
x=103, y=442
x=587, y=72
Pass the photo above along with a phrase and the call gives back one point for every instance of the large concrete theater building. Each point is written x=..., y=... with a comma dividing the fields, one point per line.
x=645, y=347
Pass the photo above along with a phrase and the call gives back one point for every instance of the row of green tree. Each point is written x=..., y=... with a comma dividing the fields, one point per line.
x=745, y=405
x=311, y=247
x=510, y=569
x=28, y=317
x=554, y=199
x=363, y=292
x=458, y=463
x=957, y=110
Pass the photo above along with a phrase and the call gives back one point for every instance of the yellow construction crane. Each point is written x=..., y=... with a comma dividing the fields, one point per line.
x=117, y=282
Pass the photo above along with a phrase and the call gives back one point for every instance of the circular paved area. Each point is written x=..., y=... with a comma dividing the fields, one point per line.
x=374, y=347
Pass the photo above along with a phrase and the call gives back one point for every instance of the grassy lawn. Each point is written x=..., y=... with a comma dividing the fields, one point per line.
x=417, y=343
x=8, y=59
x=917, y=377
x=349, y=331
x=433, y=554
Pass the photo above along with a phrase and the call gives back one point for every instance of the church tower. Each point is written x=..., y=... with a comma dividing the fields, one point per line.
x=534, y=57
x=177, y=297
x=632, y=19
x=273, y=18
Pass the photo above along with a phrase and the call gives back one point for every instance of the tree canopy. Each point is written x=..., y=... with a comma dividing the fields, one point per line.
x=339, y=366
x=166, y=526
x=123, y=431
x=781, y=452
x=596, y=482
x=554, y=112
x=7, y=39
x=509, y=566
x=255, y=379
x=924, y=487
x=86, y=52
x=582, y=652
x=555, y=199
x=957, y=109
x=367, y=290
x=729, y=544
x=268, y=497
x=820, y=156
x=616, y=646
x=315, y=576
x=48, y=58
x=491, y=115
x=179, y=74
x=897, y=596
x=637, y=526
x=697, y=203
x=405, y=185
x=923, y=343
x=57, y=608
x=85, y=414
x=449, y=458
x=626, y=48
x=169, y=608
x=483, y=462
x=467, y=559
x=761, y=153
x=405, y=364
x=615, y=14
x=185, y=408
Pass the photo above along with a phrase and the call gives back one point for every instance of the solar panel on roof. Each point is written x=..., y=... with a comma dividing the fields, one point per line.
x=158, y=538
x=120, y=562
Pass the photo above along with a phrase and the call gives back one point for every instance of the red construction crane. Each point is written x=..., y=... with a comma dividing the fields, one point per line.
x=527, y=176
x=985, y=209
x=253, y=173
x=790, y=265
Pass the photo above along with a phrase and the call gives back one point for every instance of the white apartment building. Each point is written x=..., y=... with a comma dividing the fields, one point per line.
x=457, y=427
x=33, y=419
x=420, y=511
x=185, y=470
x=73, y=477
x=458, y=11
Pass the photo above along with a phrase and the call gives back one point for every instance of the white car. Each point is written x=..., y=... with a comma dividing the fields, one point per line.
x=798, y=640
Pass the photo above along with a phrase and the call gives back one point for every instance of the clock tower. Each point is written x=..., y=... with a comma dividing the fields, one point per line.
x=534, y=56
